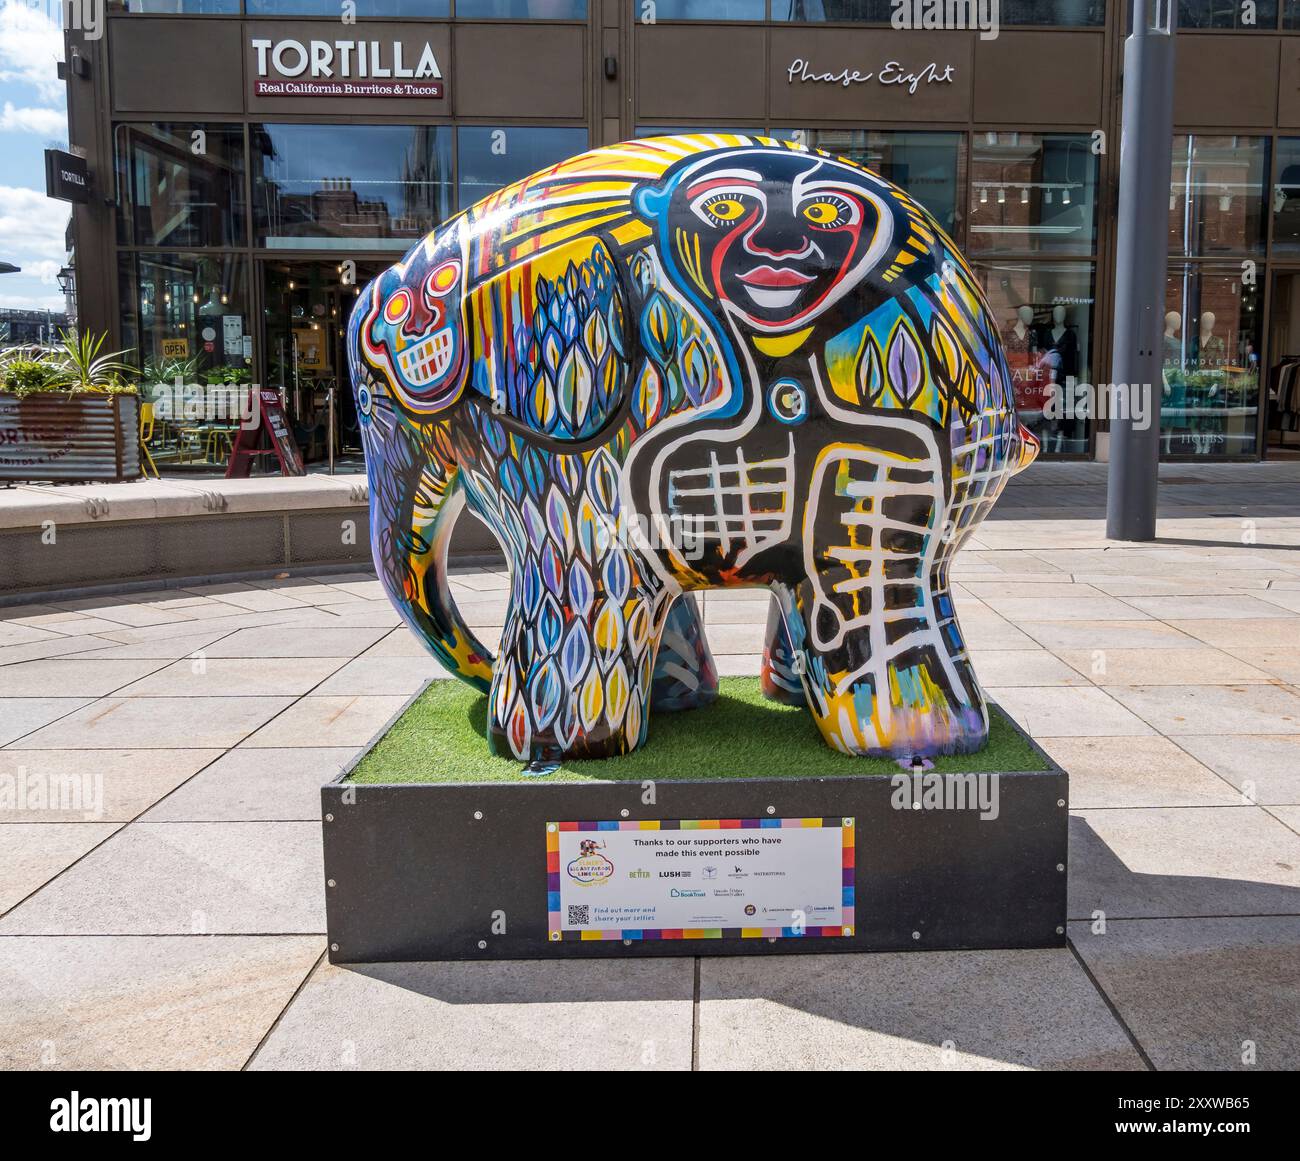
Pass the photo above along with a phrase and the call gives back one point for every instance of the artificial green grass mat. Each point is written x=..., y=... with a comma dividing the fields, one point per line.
x=441, y=738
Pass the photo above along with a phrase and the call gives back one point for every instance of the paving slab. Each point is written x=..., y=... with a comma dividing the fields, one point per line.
x=392, y=676
x=1214, y=709
x=603, y=1016
x=1287, y=815
x=1063, y=636
x=156, y=1002
x=1202, y=666
x=90, y=785
x=164, y=649
x=1227, y=633
x=1203, y=994
x=155, y=723
x=1236, y=606
x=1281, y=662
x=181, y=878
x=33, y=853
x=21, y=717
x=236, y=676
x=1137, y=771
x=341, y=720
x=306, y=641
x=263, y=785
x=1067, y=711
x=1021, y=1010
x=1004, y=667
x=1264, y=767
x=1171, y=862
x=67, y=678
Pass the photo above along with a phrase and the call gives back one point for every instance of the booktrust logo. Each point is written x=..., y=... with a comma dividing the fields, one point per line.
x=947, y=14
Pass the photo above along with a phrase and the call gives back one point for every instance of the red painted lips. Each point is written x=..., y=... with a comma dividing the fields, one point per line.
x=779, y=278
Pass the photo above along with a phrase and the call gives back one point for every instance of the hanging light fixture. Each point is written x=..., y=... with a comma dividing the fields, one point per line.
x=1002, y=196
x=984, y=197
x=1024, y=195
x=1065, y=197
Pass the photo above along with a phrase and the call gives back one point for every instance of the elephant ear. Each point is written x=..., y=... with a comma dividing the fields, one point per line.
x=550, y=341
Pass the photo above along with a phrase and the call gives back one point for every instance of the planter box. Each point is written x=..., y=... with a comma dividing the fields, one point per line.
x=460, y=869
x=52, y=436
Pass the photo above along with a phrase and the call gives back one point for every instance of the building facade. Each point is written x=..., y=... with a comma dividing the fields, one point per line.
x=255, y=161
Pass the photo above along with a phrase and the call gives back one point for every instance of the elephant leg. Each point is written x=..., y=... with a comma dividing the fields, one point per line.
x=779, y=676
x=685, y=676
x=573, y=679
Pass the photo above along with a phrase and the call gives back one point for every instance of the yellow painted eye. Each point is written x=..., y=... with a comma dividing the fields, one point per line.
x=726, y=209
x=823, y=213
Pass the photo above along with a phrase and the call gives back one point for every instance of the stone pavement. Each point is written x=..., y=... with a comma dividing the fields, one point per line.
x=177, y=922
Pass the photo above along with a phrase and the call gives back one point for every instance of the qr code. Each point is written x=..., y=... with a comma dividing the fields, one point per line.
x=579, y=914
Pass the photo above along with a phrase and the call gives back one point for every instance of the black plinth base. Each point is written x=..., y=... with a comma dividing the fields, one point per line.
x=433, y=871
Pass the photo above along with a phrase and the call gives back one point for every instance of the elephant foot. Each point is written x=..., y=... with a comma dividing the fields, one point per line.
x=778, y=678
x=685, y=676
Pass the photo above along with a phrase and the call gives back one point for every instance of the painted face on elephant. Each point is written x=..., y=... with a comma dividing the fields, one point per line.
x=412, y=332
x=776, y=238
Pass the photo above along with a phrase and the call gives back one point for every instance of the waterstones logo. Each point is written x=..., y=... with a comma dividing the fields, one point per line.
x=345, y=68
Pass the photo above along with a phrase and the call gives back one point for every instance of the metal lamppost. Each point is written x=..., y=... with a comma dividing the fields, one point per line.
x=1144, y=162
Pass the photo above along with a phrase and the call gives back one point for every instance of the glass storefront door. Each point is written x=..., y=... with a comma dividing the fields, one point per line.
x=1282, y=382
x=306, y=304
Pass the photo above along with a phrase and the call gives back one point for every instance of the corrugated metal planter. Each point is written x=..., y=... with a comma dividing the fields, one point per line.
x=83, y=436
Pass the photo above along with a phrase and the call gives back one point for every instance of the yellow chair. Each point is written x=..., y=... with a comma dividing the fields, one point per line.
x=146, y=437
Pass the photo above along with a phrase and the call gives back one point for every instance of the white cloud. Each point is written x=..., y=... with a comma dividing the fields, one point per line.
x=46, y=122
x=53, y=302
x=31, y=45
x=32, y=229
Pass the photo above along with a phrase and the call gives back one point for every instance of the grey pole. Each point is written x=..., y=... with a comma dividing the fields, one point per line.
x=1145, y=147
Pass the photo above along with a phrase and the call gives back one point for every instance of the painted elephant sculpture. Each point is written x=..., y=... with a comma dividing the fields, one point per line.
x=677, y=364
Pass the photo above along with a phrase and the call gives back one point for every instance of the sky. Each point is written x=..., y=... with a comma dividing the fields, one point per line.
x=33, y=116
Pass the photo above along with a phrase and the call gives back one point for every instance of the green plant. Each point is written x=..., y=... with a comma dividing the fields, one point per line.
x=227, y=376
x=23, y=375
x=167, y=371
x=79, y=365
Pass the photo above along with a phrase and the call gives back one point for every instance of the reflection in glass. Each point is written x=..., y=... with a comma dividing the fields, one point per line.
x=1227, y=14
x=1044, y=314
x=930, y=166
x=1032, y=192
x=1286, y=196
x=491, y=157
x=186, y=7
x=1058, y=12
x=330, y=186
x=1210, y=384
x=364, y=8
x=522, y=9
x=171, y=195
x=705, y=9
x=187, y=314
x=1216, y=195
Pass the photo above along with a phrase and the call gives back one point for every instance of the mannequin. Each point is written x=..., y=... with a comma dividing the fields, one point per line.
x=1210, y=348
x=1173, y=324
x=1058, y=323
x=1024, y=319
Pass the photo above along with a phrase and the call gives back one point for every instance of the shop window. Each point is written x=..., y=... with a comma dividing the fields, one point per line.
x=1291, y=13
x=1285, y=201
x=1246, y=15
x=1216, y=195
x=185, y=7
x=522, y=9
x=678, y=130
x=931, y=166
x=187, y=315
x=364, y=8
x=1073, y=13
x=376, y=187
x=180, y=184
x=650, y=11
x=491, y=157
x=1032, y=192
x=1210, y=382
x=1044, y=314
